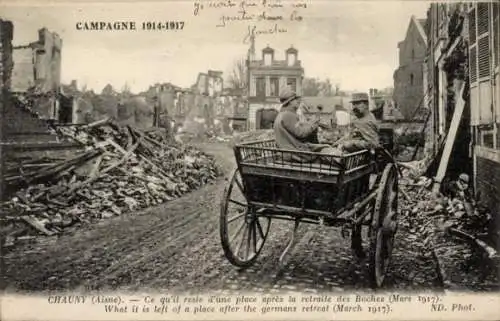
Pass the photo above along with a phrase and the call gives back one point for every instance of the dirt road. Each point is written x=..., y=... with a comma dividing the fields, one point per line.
x=176, y=247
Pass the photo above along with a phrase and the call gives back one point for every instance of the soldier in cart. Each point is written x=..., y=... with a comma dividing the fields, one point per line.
x=293, y=133
x=365, y=131
x=290, y=131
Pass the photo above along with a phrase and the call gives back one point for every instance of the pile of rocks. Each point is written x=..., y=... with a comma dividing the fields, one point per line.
x=121, y=169
x=454, y=229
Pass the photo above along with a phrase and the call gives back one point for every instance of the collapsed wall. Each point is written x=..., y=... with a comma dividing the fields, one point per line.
x=37, y=70
x=6, y=64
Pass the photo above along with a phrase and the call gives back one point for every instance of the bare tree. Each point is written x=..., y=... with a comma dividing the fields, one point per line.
x=326, y=88
x=317, y=87
x=126, y=90
x=310, y=87
x=238, y=78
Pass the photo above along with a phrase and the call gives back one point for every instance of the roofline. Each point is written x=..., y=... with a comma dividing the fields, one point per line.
x=420, y=28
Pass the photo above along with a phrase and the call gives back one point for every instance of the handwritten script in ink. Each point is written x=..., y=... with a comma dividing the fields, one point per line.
x=259, y=16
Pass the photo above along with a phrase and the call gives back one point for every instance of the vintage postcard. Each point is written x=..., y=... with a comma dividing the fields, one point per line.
x=249, y=160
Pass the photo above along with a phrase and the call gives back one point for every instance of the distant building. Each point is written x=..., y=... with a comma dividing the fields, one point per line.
x=383, y=107
x=336, y=108
x=268, y=77
x=38, y=64
x=210, y=83
x=408, y=78
x=37, y=68
x=208, y=86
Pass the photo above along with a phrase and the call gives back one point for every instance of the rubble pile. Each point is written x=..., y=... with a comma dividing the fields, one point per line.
x=450, y=229
x=121, y=169
x=422, y=212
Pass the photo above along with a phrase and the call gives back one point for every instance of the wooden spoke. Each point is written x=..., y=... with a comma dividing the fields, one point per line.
x=254, y=235
x=235, y=217
x=240, y=186
x=237, y=231
x=249, y=236
x=238, y=203
x=242, y=240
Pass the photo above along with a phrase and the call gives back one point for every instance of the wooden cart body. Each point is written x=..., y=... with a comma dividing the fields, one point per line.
x=303, y=184
x=353, y=190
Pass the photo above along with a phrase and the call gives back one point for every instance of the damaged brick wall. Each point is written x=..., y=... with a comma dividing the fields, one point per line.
x=37, y=68
x=6, y=33
x=82, y=109
x=6, y=65
x=18, y=123
x=23, y=126
x=23, y=75
x=48, y=61
x=488, y=187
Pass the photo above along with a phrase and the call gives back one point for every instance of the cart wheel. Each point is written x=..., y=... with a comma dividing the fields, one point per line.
x=382, y=230
x=243, y=230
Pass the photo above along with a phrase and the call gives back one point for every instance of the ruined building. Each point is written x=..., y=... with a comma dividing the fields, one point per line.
x=37, y=70
x=408, y=78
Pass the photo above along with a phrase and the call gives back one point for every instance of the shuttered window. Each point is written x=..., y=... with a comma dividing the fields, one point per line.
x=292, y=83
x=472, y=26
x=482, y=17
x=472, y=64
x=275, y=83
x=261, y=87
x=479, y=36
x=484, y=57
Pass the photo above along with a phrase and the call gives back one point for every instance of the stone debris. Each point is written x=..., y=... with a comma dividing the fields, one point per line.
x=451, y=228
x=121, y=169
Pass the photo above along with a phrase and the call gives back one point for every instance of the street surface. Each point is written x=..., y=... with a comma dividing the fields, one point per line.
x=175, y=247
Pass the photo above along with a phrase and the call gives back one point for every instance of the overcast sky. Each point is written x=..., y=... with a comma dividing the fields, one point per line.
x=353, y=43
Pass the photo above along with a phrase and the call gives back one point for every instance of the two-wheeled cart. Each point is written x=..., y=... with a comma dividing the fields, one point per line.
x=353, y=191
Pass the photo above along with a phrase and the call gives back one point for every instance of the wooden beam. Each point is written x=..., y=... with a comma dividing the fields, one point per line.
x=450, y=139
x=452, y=48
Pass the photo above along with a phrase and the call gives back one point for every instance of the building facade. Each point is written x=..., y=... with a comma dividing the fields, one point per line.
x=408, y=78
x=483, y=33
x=267, y=79
x=463, y=48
